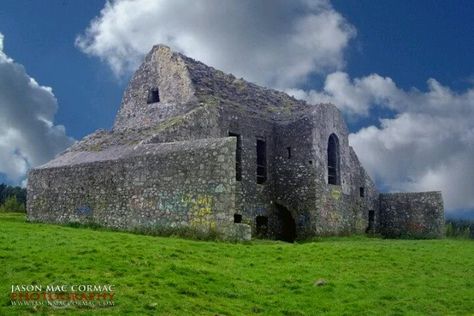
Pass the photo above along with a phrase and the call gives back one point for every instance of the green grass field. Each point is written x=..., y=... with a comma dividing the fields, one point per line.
x=170, y=276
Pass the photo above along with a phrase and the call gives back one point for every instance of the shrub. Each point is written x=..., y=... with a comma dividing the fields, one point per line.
x=12, y=205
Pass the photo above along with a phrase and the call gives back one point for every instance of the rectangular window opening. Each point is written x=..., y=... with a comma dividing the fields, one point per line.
x=361, y=191
x=261, y=161
x=289, y=152
x=238, y=156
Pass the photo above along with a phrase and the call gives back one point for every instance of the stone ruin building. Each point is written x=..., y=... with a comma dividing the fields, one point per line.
x=197, y=148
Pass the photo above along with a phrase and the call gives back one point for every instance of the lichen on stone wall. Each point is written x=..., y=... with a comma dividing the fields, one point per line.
x=140, y=187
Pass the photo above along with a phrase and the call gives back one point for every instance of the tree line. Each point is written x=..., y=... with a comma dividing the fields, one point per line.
x=460, y=228
x=12, y=199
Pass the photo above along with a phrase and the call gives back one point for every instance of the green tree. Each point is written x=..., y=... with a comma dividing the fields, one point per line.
x=7, y=191
x=12, y=205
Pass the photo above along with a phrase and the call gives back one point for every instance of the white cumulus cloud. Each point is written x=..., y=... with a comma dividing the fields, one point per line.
x=273, y=42
x=428, y=145
x=353, y=96
x=28, y=136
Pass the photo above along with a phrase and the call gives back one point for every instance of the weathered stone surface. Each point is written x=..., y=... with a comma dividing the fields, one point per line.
x=165, y=160
x=156, y=185
x=415, y=215
x=237, y=232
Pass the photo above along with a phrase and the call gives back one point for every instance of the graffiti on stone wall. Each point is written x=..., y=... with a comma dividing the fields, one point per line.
x=304, y=219
x=336, y=194
x=84, y=210
x=416, y=227
x=261, y=210
x=200, y=210
x=198, y=207
x=171, y=203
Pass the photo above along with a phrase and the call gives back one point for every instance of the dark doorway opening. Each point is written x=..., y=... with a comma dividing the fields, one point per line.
x=371, y=221
x=287, y=225
x=261, y=225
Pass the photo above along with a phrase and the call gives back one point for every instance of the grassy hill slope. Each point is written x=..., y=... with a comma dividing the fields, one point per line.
x=170, y=276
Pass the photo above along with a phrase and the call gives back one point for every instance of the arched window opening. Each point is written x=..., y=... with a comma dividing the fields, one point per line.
x=333, y=160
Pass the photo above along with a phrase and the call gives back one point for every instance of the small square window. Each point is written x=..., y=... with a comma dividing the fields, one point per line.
x=153, y=96
x=237, y=218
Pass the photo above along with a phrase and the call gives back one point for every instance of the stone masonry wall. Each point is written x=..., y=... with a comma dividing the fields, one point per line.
x=296, y=172
x=339, y=209
x=252, y=199
x=418, y=215
x=299, y=183
x=167, y=185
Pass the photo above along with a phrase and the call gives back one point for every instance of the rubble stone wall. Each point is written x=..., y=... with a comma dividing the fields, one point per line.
x=412, y=215
x=163, y=185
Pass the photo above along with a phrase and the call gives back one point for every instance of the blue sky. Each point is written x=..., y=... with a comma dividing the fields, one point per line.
x=379, y=53
x=410, y=41
x=40, y=35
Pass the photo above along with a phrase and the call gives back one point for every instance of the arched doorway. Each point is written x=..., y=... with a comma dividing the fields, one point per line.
x=286, y=223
